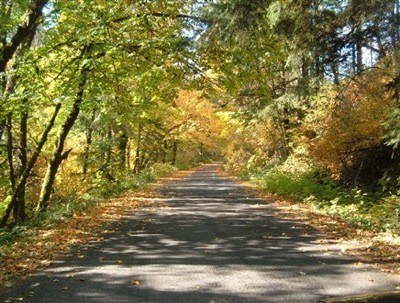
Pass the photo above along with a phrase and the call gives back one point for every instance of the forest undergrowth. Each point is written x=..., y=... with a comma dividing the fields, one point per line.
x=370, y=210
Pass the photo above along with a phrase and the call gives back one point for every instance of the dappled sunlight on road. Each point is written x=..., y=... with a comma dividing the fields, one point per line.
x=209, y=241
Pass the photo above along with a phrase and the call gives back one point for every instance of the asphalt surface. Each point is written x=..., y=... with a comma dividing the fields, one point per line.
x=214, y=243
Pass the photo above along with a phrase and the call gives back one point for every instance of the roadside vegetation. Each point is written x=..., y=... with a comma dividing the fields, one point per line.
x=68, y=207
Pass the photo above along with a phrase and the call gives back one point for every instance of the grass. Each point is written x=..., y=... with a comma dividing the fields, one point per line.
x=367, y=210
x=103, y=188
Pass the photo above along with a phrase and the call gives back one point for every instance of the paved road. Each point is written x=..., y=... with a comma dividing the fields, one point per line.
x=214, y=243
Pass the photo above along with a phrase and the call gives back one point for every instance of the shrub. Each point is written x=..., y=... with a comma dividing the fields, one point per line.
x=104, y=188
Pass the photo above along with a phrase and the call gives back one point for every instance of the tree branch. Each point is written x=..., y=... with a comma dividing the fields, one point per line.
x=23, y=31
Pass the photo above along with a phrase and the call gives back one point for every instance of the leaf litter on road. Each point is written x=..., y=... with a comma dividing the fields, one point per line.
x=135, y=283
x=37, y=250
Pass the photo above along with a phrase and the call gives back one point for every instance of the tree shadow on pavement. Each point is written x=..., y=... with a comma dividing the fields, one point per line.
x=213, y=242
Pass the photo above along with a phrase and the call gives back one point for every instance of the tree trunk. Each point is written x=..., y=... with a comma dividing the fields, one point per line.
x=58, y=153
x=305, y=79
x=24, y=176
x=335, y=70
x=174, y=153
x=86, y=154
x=23, y=157
x=353, y=59
x=10, y=152
x=136, y=167
x=317, y=67
x=108, y=150
x=359, y=57
x=381, y=48
x=283, y=77
x=164, y=151
x=6, y=126
x=11, y=164
x=9, y=87
x=128, y=155
x=284, y=127
x=397, y=20
x=122, y=146
x=108, y=155
x=3, y=121
x=394, y=31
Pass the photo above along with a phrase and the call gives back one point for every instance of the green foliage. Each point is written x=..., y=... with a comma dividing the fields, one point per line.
x=392, y=128
x=9, y=236
x=386, y=213
x=105, y=188
x=304, y=186
x=363, y=209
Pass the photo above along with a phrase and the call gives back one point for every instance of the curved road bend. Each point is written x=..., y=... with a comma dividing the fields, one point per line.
x=214, y=243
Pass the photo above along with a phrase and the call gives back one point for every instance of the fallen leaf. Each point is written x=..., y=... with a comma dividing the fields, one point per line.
x=22, y=265
x=46, y=263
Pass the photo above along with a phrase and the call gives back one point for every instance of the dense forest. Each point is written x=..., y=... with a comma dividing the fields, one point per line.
x=301, y=97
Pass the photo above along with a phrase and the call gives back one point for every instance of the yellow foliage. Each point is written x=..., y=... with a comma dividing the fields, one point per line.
x=346, y=120
x=196, y=119
x=253, y=145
